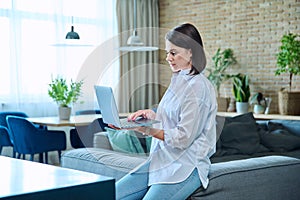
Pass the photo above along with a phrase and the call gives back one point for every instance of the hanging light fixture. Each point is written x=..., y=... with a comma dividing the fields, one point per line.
x=72, y=39
x=134, y=42
x=72, y=34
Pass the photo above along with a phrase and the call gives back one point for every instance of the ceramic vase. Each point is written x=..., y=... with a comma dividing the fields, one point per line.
x=258, y=109
x=242, y=107
x=64, y=113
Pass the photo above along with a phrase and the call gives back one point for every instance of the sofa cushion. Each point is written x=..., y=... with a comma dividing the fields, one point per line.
x=272, y=126
x=101, y=141
x=293, y=126
x=128, y=141
x=279, y=139
x=270, y=177
x=240, y=136
x=101, y=161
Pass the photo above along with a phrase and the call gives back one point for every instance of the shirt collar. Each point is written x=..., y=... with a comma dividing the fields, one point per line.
x=182, y=72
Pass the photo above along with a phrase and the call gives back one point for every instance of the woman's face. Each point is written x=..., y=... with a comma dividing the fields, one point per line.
x=177, y=57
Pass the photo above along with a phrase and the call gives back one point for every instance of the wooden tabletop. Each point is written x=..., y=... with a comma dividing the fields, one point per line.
x=77, y=120
x=83, y=120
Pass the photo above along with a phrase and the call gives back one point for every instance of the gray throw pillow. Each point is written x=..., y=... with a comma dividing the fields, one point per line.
x=247, y=117
x=279, y=139
x=240, y=138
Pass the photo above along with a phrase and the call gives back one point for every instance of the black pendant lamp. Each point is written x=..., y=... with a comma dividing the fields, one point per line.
x=72, y=34
x=72, y=39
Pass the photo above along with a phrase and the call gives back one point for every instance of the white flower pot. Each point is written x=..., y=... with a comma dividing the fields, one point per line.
x=64, y=113
x=242, y=107
x=258, y=109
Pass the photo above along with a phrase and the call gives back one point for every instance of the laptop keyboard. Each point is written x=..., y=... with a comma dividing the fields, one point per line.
x=128, y=124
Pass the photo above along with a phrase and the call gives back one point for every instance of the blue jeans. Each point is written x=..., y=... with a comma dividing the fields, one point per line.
x=135, y=186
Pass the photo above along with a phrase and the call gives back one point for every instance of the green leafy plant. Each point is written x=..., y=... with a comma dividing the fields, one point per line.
x=64, y=94
x=288, y=59
x=258, y=99
x=241, y=88
x=221, y=61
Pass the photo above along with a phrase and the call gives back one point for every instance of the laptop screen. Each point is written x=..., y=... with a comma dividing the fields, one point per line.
x=107, y=104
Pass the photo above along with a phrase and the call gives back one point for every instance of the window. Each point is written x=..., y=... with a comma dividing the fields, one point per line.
x=4, y=56
x=30, y=56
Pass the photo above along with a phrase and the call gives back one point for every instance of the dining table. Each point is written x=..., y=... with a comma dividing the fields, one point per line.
x=76, y=120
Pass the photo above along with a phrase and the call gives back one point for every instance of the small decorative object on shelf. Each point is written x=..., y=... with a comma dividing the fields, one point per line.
x=231, y=107
x=64, y=95
x=268, y=104
x=259, y=102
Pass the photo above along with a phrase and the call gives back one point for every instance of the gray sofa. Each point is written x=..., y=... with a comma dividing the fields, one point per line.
x=261, y=164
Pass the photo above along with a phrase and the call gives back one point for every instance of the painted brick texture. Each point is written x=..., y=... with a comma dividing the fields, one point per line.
x=253, y=29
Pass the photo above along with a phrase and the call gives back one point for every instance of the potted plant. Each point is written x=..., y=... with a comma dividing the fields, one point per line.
x=259, y=102
x=288, y=61
x=241, y=92
x=217, y=73
x=64, y=95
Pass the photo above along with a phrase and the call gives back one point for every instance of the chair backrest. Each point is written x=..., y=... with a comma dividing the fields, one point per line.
x=87, y=112
x=21, y=133
x=83, y=136
x=4, y=137
x=5, y=140
x=3, y=116
x=97, y=126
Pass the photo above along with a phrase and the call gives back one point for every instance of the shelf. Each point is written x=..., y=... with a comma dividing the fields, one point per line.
x=262, y=116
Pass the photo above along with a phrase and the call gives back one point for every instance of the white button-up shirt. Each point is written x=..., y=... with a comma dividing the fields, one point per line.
x=187, y=113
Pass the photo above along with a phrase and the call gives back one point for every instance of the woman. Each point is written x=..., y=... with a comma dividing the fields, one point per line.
x=185, y=139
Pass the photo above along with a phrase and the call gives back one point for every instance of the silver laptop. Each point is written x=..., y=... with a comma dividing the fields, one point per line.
x=109, y=111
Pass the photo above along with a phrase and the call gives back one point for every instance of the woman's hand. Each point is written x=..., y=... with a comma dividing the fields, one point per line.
x=147, y=114
x=138, y=129
x=113, y=127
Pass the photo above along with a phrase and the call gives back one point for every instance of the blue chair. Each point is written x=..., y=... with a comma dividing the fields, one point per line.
x=28, y=139
x=4, y=131
x=4, y=138
x=87, y=112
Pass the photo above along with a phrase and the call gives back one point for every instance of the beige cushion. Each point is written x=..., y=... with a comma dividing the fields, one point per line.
x=101, y=141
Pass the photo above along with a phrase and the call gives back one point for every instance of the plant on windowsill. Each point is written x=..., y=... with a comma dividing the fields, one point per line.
x=64, y=95
x=259, y=102
x=241, y=92
x=217, y=73
x=288, y=61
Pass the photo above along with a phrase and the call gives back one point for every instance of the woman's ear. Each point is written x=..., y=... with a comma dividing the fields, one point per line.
x=190, y=52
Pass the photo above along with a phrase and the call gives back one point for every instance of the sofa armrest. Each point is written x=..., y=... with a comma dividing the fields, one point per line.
x=101, y=141
x=268, y=177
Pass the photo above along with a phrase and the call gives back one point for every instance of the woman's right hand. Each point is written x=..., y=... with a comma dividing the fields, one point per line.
x=147, y=114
